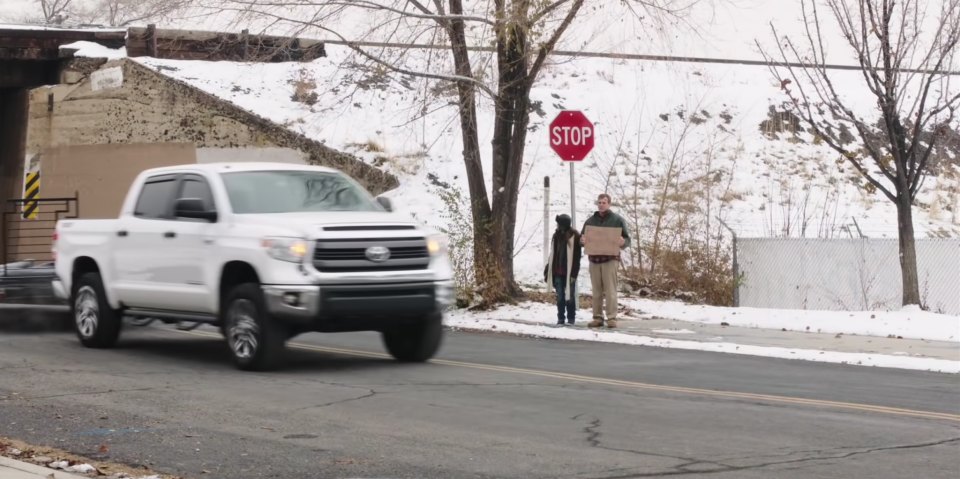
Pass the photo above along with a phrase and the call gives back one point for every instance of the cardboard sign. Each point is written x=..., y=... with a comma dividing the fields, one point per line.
x=602, y=240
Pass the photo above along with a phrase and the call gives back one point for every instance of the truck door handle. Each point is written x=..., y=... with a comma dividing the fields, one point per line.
x=122, y=233
x=169, y=234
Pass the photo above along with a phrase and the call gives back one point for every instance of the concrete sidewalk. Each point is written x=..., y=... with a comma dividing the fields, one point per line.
x=812, y=340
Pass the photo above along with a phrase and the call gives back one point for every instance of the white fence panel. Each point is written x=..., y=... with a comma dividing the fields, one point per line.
x=844, y=274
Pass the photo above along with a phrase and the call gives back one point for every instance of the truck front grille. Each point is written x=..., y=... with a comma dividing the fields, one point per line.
x=351, y=255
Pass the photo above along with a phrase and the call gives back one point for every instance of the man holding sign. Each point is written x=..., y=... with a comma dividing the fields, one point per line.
x=604, y=234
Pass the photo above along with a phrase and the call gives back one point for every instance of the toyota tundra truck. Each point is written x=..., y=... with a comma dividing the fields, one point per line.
x=264, y=251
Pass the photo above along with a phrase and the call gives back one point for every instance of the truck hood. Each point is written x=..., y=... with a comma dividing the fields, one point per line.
x=312, y=224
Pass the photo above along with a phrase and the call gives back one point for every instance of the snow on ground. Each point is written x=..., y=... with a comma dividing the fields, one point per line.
x=538, y=320
x=910, y=322
x=95, y=50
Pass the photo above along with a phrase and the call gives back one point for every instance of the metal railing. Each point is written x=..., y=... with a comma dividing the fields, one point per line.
x=30, y=238
x=844, y=274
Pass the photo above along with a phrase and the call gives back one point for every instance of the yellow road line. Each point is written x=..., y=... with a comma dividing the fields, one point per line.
x=636, y=385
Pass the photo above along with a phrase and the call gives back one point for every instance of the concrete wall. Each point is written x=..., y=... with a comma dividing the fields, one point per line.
x=101, y=174
x=143, y=109
x=13, y=112
x=126, y=104
x=107, y=121
x=281, y=155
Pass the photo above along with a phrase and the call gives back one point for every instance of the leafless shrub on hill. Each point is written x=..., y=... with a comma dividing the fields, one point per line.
x=304, y=88
x=673, y=185
x=797, y=204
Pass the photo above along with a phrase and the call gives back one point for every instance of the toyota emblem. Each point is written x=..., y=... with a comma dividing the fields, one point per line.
x=377, y=254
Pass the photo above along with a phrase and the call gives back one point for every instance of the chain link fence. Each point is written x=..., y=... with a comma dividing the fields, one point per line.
x=843, y=274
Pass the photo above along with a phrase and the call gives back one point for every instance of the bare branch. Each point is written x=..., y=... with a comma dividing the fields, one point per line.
x=378, y=60
x=547, y=11
x=54, y=10
x=373, y=6
x=548, y=47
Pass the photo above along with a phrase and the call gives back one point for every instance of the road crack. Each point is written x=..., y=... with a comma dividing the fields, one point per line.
x=823, y=455
x=594, y=436
x=370, y=393
x=87, y=393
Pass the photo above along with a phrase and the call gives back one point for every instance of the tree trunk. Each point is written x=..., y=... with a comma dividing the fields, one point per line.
x=487, y=255
x=908, y=250
x=509, y=136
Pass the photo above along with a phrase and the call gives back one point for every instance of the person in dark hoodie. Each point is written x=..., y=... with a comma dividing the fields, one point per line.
x=562, y=268
x=603, y=269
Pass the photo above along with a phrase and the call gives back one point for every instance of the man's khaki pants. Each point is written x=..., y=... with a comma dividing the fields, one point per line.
x=603, y=278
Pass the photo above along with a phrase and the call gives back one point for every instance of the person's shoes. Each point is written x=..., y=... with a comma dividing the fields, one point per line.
x=611, y=323
x=596, y=323
x=570, y=322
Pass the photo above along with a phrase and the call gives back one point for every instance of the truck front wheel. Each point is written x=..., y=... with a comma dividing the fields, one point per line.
x=97, y=325
x=256, y=341
x=417, y=343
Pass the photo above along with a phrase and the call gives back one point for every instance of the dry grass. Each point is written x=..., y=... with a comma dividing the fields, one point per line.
x=304, y=88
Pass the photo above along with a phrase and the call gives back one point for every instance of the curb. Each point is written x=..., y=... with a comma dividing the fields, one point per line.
x=13, y=469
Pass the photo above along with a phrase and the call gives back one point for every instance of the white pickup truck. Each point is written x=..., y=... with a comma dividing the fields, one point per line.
x=265, y=251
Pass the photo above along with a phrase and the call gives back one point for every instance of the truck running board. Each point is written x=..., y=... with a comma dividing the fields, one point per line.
x=170, y=316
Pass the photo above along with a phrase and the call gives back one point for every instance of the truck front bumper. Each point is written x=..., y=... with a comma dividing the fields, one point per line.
x=356, y=306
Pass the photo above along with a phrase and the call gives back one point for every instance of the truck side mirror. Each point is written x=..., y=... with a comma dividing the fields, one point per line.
x=385, y=203
x=193, y=208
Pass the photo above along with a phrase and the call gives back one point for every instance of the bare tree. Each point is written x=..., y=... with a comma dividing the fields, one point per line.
x=523, y=33
x=904, y=58
x=54, y=11
x=115, y=13
x=121, y=13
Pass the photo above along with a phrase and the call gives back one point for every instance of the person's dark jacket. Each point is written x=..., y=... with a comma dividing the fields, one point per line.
x=557, y=260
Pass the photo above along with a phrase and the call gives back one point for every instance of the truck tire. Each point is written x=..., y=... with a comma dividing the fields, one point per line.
x=97, y=325
x=415, y=344
x=256, y=341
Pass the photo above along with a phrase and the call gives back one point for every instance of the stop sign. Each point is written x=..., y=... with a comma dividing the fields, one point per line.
x=571, y=135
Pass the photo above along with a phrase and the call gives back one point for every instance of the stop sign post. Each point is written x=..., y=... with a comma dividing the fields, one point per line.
x=571, y=137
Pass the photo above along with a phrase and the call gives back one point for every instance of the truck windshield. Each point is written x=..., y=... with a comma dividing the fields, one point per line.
x=257, y=192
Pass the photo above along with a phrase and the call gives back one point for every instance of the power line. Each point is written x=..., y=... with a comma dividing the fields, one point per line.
x=637, y=56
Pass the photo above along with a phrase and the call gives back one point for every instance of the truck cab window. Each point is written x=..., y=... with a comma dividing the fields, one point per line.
x=155, y=199
x=195, y=187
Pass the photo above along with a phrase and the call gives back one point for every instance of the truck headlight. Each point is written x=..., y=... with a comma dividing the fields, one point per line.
x=293, y=250
x=437, y=245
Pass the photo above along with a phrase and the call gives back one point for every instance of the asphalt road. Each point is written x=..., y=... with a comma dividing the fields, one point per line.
x=489, y=406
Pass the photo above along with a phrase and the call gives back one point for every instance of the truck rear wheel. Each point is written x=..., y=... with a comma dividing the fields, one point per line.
x=97, y=325
x=417, y=343
x=255, y=340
